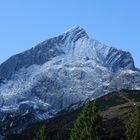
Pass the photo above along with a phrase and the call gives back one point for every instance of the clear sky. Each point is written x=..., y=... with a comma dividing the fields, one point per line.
x=25, y=23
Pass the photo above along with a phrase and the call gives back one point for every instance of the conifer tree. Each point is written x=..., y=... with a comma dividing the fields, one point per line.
x=88, y=124
x=133, y=126
x=42, y=133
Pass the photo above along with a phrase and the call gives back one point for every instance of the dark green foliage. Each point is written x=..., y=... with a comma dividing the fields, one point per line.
x=88, y=124
x=12, y=137
x=42, y=133
x=133, y=126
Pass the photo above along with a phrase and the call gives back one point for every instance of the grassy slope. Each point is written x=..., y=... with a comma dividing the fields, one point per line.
x=114, y=107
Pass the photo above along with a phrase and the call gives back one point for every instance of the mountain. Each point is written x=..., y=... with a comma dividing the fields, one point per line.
x=115, y=108
x=59, y=72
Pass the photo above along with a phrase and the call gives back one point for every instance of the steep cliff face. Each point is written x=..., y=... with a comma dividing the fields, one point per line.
x=74, y=43
x=62, y=71
x=37, y=55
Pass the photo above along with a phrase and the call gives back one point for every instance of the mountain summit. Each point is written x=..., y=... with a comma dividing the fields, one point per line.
x=59, y=72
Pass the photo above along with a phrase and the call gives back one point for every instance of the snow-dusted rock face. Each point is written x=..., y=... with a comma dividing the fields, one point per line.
x=60, y=72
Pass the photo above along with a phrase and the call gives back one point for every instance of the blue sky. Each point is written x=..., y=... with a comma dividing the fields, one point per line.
x=25, y=23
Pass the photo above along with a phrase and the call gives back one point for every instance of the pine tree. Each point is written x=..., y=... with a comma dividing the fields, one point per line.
x=88, y=124
x=133, y=126
x=42, y=133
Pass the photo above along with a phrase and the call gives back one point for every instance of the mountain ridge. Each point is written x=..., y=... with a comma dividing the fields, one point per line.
x=76, y=32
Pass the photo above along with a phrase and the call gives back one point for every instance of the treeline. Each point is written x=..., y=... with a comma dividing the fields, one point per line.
x=89, y=125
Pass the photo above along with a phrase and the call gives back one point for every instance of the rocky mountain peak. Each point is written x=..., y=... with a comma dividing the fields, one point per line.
x=62, y=71
x=73, y=43
x=76, y=31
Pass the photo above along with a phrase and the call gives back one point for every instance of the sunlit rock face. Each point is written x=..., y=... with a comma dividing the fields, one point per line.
x=59, y=72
